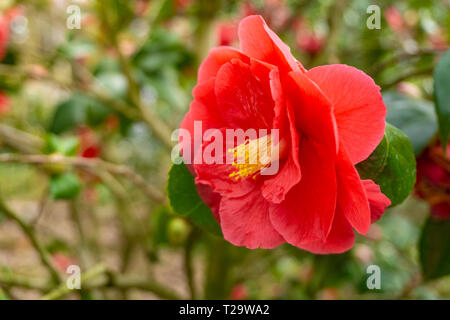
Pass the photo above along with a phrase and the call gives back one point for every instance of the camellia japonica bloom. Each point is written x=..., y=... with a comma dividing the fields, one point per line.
x=329, y=119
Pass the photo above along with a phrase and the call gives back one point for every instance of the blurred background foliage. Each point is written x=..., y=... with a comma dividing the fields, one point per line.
x=86, y=117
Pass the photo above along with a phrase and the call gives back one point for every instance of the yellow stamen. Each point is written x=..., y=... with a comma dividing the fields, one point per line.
x=253, y=156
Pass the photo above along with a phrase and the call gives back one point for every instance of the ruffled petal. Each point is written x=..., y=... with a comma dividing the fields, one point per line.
x=377, y=200
x=217, y=58
x=275, y=189
x=352, y=197
x=340, y=239
x=358, y=107
x=203, y=108
x=243, y=100
x=313, y=112
x=308, y=210
x=210, y=198
x=259, y=42
x=245, y=222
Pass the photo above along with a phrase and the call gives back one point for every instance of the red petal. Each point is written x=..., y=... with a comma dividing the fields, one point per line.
x=218, y=57
x=216, y=174
x=259, y=42
x=308, y=210
x=378, y=201
x=351, y=194
x=243, y=100
x=313, y=112
x=340, y=239
x=358, y=107
x=276, y=188
x=245, y=222
x=210, y=198
x=203, y=108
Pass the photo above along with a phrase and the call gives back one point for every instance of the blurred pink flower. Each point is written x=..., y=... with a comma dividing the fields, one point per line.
x=433, y=180
x=4, y=35
x=310, y=43
x=239, y=292
x=4, y=104
x=394, y=19
x=90, y=146
x=62, y=261
x=227, y=33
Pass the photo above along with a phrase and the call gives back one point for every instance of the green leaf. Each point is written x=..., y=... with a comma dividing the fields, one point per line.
x=185, y=200
x=114, y=82
x=65, y=146
x=442, y=96
x=64, y=186
x=392, y=165
x=434, y=248
x=78, y=110
x=68, y=115
x=414, y=117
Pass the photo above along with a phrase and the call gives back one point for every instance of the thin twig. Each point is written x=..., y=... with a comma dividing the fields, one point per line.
x=29, y=231
x=415, y=73
x=20, y=140
x=91, y=163
x=14, y=280
x=100, y=277
x=405, y=55
x=188, y=248
x=63, y=289
x=159, y=128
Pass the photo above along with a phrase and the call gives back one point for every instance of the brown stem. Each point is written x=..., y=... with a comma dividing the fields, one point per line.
x=415, y=73
x=89, y=163
x=30, y=233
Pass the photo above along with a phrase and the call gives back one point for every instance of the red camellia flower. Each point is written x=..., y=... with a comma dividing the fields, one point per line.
x=394, y=19
x=329, y=118
x=4, y=104
x=4, y=35
x=227, y=33
x=90, y=146
x=433, y=180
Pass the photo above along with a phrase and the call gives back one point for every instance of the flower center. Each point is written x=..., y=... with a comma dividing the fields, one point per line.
x=254, y=155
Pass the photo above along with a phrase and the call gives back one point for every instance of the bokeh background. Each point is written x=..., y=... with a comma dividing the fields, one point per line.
x=86, y=117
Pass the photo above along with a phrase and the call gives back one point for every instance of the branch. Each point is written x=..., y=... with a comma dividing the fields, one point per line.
x=92, y=279
x=13, y=280
x=63, y=289
x=188, y=261
x=405, y=55
x=335, y=23
x=89, y=163
x=20, y=140
x=159, y=128
x=133, y=282
x=415, y=73
x=29, y=231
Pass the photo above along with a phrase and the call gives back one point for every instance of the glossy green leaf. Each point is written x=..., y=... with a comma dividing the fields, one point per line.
x=414, y=117
x=64, y=186
x=442, y=96
x=392, y=165
x=434, y=248
x=185, y=200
